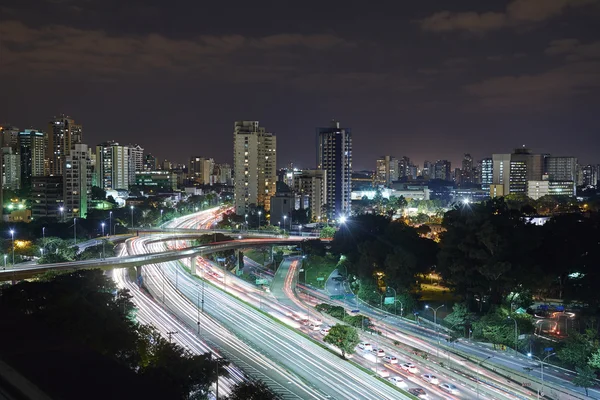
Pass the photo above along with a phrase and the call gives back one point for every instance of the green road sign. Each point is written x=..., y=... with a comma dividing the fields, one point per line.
x=337, y=297
x=389, y=300
x=320, y=279
x=262, y=281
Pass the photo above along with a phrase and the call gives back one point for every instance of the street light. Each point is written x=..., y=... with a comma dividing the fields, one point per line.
x=75, y=230
x=395, y=307
x=342, y=219
x=6, y=255
x=542, y=367
x=110, y=223
x=436, y=325
x=62, y=214
x=43, y=238
x=131, y=217
x=284, y=218
x=12, y=235
x=102, y=224
x=380, y=300
x=516, y=334
x=479, y=365
x=259, y=214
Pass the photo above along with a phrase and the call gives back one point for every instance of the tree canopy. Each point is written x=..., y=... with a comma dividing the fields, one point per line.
x=344, y=337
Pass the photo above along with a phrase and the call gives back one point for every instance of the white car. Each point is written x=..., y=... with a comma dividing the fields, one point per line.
x=431, y=379
x=410, y=367
x=449, y=388
x=325, y=330
x=378, y=352
x=314, y=327
x=390, y=359
x=365, y=346
x=396, y=380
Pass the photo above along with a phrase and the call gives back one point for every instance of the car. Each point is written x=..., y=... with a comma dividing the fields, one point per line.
x=314, y=326
x=449, y=388
x=396, y=380
x=378, y=352
x=325, y=331
x=431, y=379
x=390, y=359
x=365, y=346
x=382, y=372
x=420, y=393
x=410, y=367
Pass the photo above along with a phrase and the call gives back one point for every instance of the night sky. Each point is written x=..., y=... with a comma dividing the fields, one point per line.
x=426, y=79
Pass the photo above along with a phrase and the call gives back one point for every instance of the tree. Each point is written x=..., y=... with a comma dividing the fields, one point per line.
x=256, y=390
x=328, y=232
x=586, y=378
x=594, y=360
x=460, y=316
x=578, y=348
x=344, y=337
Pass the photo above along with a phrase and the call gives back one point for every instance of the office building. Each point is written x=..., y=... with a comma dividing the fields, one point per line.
x=334, y=156
x=546, y=187
x=31, y=145
x=62, y=133
x=112, y=166
x=254, y=166
x=200, y=170
x=486, y=174
x=77, y=182
x=312, y=184
x=47, y=197
x=589, y=175
x=11, y=169
x=513, y=171
x=442, y=169
x=156, y=181
x=561, y=168
x=386, y=170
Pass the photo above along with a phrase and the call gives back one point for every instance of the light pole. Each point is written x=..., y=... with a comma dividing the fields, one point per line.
x=12, y=235
x=516, y=335
x=395, y=307
x=284, y=218
x=436, y=325
x=380, y=300
x=110, y=223
x=5, y=256
x=542, y=368
x=246, y=221
x=102, y=224
x=75, y=230
x=131, y=217
x=161, y=216
x=401, y=307
x=259, y=214
x=198, y=306
x=43, y=239
x=62, y=214
x=479, y=365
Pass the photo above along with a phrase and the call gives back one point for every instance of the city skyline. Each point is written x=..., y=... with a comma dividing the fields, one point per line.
x=501, y=75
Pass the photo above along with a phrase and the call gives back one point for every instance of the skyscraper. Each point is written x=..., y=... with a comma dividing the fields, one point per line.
x=312, y=184
x=11, y=169
x=334, y=156
x=386, y=170
x=590, y=175
x=31, y=144
x=63, y=133
x=9, y=138
x=200, y=170
x=442, y=169
x=487, y=173
x=254, y=165
x=136, y=161
x=466, y=172
x=112, y=166
x=77, y=181
x=561, y=168
x=513, y=171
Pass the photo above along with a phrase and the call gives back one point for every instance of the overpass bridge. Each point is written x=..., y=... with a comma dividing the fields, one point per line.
x=29, y=271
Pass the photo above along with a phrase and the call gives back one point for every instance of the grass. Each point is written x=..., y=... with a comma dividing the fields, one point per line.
x=437, y=294
x=318, y=267
x=256, y=256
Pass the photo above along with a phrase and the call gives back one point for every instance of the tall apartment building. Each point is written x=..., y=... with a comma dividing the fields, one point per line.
x=112, y=166
x=254, y=165
x=136, y=161
x=428, y=170
x=47, y=197
x=11, y=169
x=62, y=134
x=386, y=170
x=200, y=170
x=77, y=181
x=590, y=175
x=150, y=163
x=486, y=173
x=467, y=172
x=312, y=184
x=442, y=169
x=31, y=145
x=222, y=174
x=9, y=136
x=334, y=156
x=561, y=168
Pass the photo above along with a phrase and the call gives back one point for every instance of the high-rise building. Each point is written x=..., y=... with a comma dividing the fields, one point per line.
x=112, y=166
x=403, y=167
x=150, y=163
x=312, y=184
x=222, y=174
x=200, y=170
x=31, y=145
x=9, y=137
x=11, y=169
x=546, y=187
x=136, y=161
x=334, y=156
x=46, y=197
x=77, y=181
x=487, y=173
x=254, y=165
x=513, y=171
x=466, y=172
x=561, y=168
x=428, y=170
x=589, y=175
x=62, y=133
x=442, y=170
x=386, y=170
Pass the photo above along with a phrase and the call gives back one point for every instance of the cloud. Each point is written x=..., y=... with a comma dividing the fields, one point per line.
x=574, y=50
x=539, y=91
x=518, y=12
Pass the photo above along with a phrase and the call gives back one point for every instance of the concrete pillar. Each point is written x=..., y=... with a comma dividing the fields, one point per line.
x=236, y=253
x=193, y=266
x=138, y=271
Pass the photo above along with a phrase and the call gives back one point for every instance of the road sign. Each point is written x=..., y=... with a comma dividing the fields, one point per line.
x=355, y=311
x=261, y=281
x=548, y=349
x=337, y=297
x=320, y=279
x=389, y=300
x=220, y=259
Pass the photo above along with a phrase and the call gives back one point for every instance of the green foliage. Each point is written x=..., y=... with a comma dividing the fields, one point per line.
x=460, y=317
x=578, y=348
x=496, y=328
x=586, y=378
x=328, y=232
x=343, y=337
x=594, y=360
x=256, y=390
